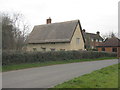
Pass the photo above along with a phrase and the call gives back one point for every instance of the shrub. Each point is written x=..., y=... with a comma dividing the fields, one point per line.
x=32, y=57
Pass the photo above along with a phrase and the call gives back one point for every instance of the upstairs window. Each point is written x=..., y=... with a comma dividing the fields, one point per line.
x=97, y=40
x=100, y=40
x=78, y=40
x=93, y=40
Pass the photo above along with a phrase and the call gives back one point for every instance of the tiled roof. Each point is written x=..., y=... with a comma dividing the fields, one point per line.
x=110, y=42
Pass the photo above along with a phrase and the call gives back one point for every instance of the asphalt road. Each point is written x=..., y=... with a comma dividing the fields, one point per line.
x=49, y=76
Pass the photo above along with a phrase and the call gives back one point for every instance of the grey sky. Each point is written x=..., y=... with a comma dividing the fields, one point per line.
x=94, y=15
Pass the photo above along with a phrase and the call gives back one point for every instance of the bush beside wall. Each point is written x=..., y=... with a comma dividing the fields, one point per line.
x=32, y=57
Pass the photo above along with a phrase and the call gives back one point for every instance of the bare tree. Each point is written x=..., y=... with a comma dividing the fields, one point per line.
x=14, y=30
x=21, y=30
x=109, y=35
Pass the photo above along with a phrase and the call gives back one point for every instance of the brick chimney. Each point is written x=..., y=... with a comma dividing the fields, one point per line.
x=48, y=21
x=98, y=32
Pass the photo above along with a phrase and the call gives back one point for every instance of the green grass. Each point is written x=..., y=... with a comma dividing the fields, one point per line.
x=31, y=65
x=104, y=78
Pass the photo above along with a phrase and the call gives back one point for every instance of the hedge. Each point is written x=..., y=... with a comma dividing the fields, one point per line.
x=32, y=57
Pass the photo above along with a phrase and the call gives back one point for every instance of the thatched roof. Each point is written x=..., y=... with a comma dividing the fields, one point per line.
x=53, y=32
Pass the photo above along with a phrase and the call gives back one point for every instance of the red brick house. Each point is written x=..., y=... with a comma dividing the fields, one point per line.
x=110, y=45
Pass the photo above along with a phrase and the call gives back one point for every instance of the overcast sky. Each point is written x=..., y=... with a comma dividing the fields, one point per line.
x=94, y=15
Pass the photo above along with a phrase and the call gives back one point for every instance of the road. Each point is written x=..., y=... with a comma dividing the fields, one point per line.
x=49, y=76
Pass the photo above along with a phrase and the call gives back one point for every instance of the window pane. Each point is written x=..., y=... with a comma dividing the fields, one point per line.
x=114, y=49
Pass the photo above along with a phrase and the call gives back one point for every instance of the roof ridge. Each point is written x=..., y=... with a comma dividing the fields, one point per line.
x=58, y=22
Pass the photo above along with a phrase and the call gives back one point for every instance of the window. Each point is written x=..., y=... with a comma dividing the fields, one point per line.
x=97, y=40
x=103, y=49
x=78, y=40
x=62, y=49
x=43, y=49
x=114, y=49
x=34, y=49
x=100, y=40
x=52, y=49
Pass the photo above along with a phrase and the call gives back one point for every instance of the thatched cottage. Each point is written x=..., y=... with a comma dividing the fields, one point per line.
x=56, y=36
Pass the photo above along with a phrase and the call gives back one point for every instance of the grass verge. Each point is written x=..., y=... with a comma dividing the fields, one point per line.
x=39, y=64
x=104, y=78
